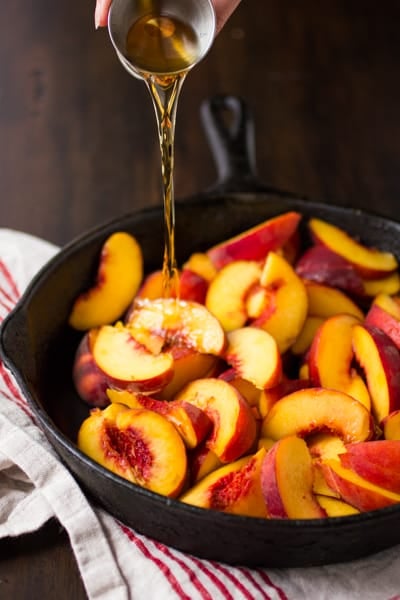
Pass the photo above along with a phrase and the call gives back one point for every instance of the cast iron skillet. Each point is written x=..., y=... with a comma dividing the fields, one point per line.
x=38, y=347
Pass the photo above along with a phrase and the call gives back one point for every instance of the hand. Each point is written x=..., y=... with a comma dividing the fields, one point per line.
x=223, y=10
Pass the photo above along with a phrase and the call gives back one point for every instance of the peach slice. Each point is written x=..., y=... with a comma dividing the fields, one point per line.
x=306, y=335
x=386, y=322
x=227, y=292
x=286, y=303
x=287, y=481
x=139, y=445
x=380, y=359
x=233, y=488
x=325, y=301
x=322, y=265
x=191, y=422
x=192, y=286
x=320, y=486
x=200, y=263
x=318, y=409
x=356, y=490
x=391, y=426
x=166, y=322
x=369, y=262
x=247, y=389
x=118, y=278
x=265, y=443
x=325, y=445
x=152, y=287
x=90, y=381
x=128, y=364
x=383, y=285
x=331, y=355
x=189, y=364
x=202, y=462
x=234, y=425
x=376, y=461
x=254, y=355
x=255, y=243
x=268, y=397
x=335, y=507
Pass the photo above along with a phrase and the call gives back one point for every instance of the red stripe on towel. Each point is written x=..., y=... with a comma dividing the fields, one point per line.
x=185, y=567
x=172, y=580
x=10, y=280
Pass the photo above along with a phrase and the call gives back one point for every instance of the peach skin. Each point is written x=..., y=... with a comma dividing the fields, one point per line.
x=287, y=481
x=255, y=243
x=233, y=488
x=369, y=262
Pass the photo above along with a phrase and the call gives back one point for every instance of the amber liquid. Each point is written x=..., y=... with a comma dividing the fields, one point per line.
x=163, y=48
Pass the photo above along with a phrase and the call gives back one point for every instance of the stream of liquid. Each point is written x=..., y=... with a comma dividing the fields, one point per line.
x=163, y=48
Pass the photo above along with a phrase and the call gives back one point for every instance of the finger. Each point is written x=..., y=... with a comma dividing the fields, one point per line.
x=223, y=10
x=101, y=13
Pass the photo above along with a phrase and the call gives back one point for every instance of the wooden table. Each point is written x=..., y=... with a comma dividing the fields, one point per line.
x=78, y=142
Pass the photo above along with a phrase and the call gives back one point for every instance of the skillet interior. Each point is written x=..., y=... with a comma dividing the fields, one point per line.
x=38, y=347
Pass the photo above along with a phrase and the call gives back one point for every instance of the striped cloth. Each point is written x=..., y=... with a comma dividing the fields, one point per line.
x=115, y=562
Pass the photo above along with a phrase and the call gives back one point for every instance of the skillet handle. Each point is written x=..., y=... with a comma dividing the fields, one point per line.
x=229, y=128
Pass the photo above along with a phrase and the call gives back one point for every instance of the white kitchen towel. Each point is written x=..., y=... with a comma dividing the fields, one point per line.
x=115, y=562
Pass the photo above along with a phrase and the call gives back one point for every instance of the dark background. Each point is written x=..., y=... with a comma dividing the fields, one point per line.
x=78, y=141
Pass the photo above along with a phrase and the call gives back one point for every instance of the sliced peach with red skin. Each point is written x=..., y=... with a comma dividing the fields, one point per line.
x=369, y=262
x=189, y=364
x=128, y=364
x=330, y=358
x=137, y=444
x=247, y=389
x=322, y=265
x=233, y=488
x=202, y=462
x=380, y=360
x=325, y=301
x=268, y=397
x=119, y=275
x=226, y=295
x=90, y=381
x=335, y=507
x=286, y=305
x=166, y=322
x=320, y=486
x=255, y=243
x=356, y=490
x=376, y=461
x=383, y=320
x=191, y=422
x=192, y=286
x=234, y=424
x=391, y=426
x=254, y=355
x=318, y=409
x=287, y=481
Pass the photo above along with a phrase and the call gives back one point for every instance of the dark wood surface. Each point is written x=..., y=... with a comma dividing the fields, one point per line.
x=78, y=142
